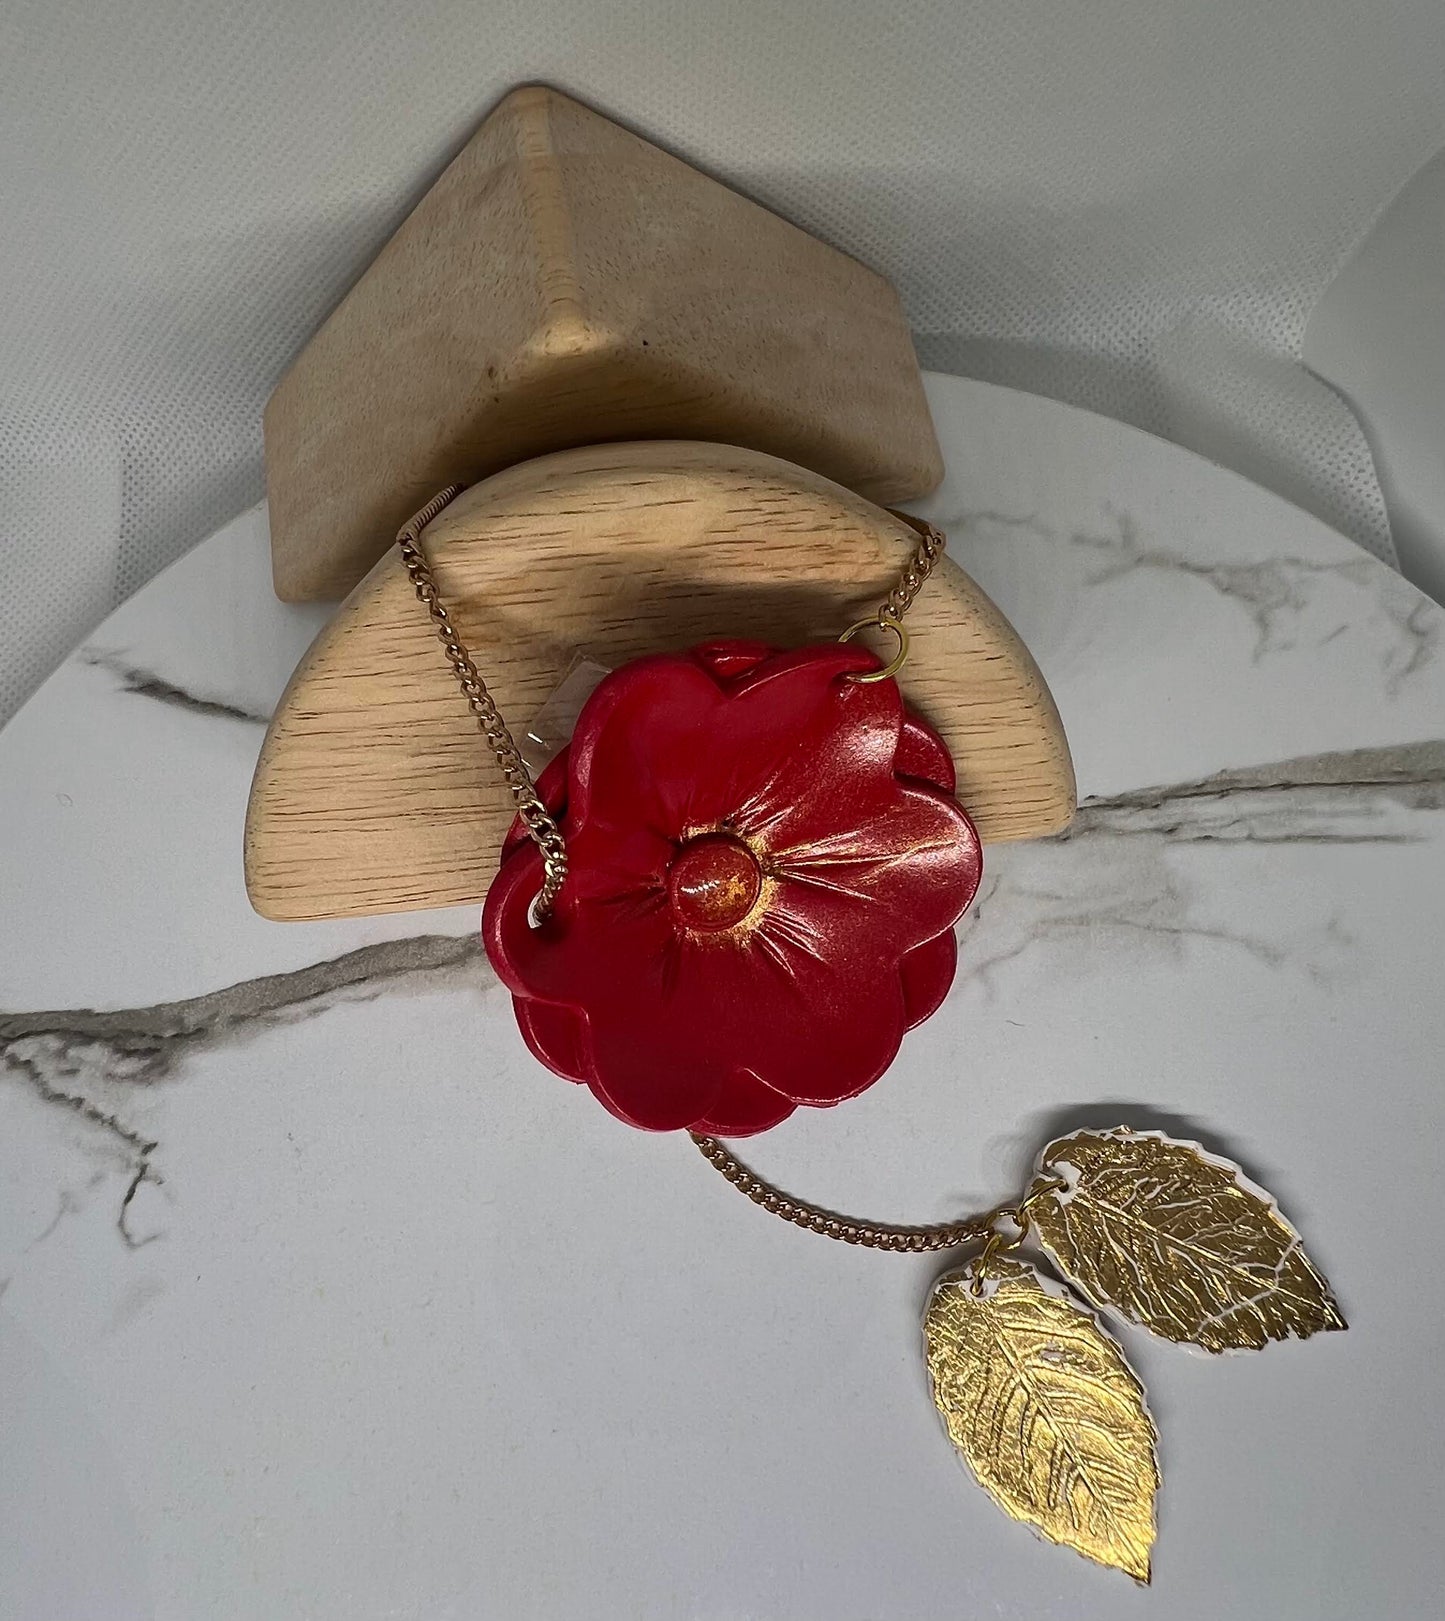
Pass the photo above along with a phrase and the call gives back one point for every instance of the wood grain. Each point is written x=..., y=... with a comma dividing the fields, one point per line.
x=374, y=791
x=563, y=283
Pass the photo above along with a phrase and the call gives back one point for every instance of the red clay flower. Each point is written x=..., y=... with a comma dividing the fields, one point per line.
x=766, y=864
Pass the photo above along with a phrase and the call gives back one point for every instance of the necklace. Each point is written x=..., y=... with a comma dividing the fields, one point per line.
x=730, y=896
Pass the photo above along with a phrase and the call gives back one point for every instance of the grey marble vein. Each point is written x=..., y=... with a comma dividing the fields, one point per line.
x=1135, y=871
x=145, y=683
x=1337, y=798
x=1113, y=874
x=1277, y=588
x=1272, y=591
x=85, y=1062
x=1119, y=898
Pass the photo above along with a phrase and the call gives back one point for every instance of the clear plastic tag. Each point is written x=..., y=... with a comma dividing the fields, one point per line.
x=551, y=728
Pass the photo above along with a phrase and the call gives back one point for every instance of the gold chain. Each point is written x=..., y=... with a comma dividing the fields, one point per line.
x=547, y=836
x=944, y=1235
x=536, y=818
x=900, y=1239
x=931, y=542
x=890, y=614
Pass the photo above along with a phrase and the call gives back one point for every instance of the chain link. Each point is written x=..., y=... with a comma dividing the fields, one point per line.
x=904, y=1240
x=931, y=542
x=536, y=818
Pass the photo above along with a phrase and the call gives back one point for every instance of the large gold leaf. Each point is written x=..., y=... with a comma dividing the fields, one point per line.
x=1176, y=1240
x=1048, y=1414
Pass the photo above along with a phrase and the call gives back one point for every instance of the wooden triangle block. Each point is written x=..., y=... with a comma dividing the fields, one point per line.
x=565, y=282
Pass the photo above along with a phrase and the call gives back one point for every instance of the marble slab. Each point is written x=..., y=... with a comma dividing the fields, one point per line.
x=320, y=1299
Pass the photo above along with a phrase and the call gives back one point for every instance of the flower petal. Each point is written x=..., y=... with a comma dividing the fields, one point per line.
x=638, y=743
x=922, y=753
x=729, y=660
x=651, y=1097
x=556, y=1035
x=927, y=974
x=662, y=742
x=897, y=872
x=594, y=933
x=837, y=1016
x=824, y=744
x=666, y=1038
x=623, y=970
x=746, y=1107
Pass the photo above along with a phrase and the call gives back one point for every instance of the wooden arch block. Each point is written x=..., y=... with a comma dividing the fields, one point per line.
x=566, y=282
x=375, y=792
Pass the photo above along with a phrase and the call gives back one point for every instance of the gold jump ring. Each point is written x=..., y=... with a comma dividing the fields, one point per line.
x=895, y=664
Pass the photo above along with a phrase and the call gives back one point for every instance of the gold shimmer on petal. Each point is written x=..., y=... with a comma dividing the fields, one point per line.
x=713, y=882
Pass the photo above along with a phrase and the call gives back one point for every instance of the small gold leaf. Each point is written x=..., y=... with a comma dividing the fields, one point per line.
x=1176, y=1240
x=1047, y=1413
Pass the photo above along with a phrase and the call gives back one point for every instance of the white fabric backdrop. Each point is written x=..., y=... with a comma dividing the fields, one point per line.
x=1128, y=204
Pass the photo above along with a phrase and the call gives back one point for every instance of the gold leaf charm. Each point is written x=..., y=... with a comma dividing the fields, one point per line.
x=1042, y=1405
x=1176, y=1240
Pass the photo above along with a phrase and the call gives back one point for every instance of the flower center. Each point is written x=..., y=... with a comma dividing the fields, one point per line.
x=714, y=882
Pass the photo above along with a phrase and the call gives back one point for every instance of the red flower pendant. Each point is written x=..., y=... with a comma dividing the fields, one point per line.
x=766, y=862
